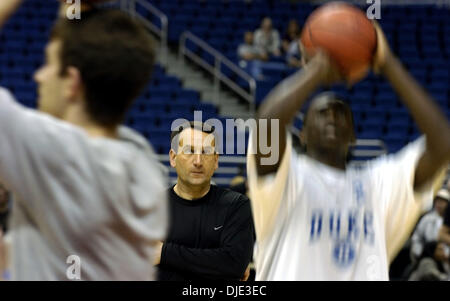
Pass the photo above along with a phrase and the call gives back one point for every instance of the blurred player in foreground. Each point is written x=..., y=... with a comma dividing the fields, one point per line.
x=317, y=219
x=83, y=185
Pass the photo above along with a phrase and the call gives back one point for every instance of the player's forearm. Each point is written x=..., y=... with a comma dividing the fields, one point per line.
x=283, y=104
x=7, y=8
x=424, y=110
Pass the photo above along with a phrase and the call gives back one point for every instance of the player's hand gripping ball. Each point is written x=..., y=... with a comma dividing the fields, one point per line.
x=345, y=33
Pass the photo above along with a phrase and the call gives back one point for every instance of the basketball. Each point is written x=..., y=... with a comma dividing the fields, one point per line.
x=345, y=33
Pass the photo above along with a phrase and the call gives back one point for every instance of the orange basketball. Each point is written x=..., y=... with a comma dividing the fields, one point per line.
x=345, y=33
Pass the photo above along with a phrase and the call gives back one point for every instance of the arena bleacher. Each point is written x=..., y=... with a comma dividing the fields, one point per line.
x=420, y=35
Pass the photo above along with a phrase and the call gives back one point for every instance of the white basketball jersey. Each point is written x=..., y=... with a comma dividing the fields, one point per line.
x=314, y=222
x=93, y=205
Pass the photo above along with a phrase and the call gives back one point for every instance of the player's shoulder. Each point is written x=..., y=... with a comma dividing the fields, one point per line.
x=414, y=146
x=5, y=93
x=130, y=137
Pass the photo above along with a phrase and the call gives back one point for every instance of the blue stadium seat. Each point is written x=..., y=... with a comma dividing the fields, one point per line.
x=420, y=36
x=395, y=144
x=400, y=131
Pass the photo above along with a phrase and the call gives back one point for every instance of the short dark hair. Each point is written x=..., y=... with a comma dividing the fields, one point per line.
x=197, y=125
x=115, y=56
x=332, y=95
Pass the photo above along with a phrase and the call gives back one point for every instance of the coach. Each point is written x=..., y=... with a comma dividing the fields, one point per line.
x=211, y=233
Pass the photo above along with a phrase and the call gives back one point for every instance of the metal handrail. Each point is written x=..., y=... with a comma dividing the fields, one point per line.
x=219, y=60
x=368, y=152
x=162, y=33
x=360, y=142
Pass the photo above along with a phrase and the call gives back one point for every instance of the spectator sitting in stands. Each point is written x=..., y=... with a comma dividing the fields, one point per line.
x=248, y=51
x=268, y=38
x=444, y=232
x=428, y=227
x=291, y=34
x=252, y=56
x=433, y=264
x=294, y=55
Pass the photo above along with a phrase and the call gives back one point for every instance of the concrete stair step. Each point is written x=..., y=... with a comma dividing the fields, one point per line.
x=193, y=78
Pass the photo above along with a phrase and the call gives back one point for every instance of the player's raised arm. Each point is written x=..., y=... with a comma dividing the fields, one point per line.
x=7, y=8
x=285, y=101
x=429, y=118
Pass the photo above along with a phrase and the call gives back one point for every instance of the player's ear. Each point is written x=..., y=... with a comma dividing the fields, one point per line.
x=172, y=156
x=73, y=86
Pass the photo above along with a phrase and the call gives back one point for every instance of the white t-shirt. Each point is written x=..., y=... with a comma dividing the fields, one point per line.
x=102, y=200
x=426, y=231
x=268, y=42
x=314, y=222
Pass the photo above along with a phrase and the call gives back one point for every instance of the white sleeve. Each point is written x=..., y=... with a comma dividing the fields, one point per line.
x=268, y=192
x=11, y=133
x=257, y=39
x=401, y=205
x=26, y=137
x=242, y=51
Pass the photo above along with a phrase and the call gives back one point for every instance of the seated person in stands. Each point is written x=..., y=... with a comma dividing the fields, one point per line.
x=268, y=38
x=433, y=265
x=255, y=60
x=444, y=231
x=428, y=228
x=248, y=51
x=292, y=34
x=294, y=55
x=211, y=234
